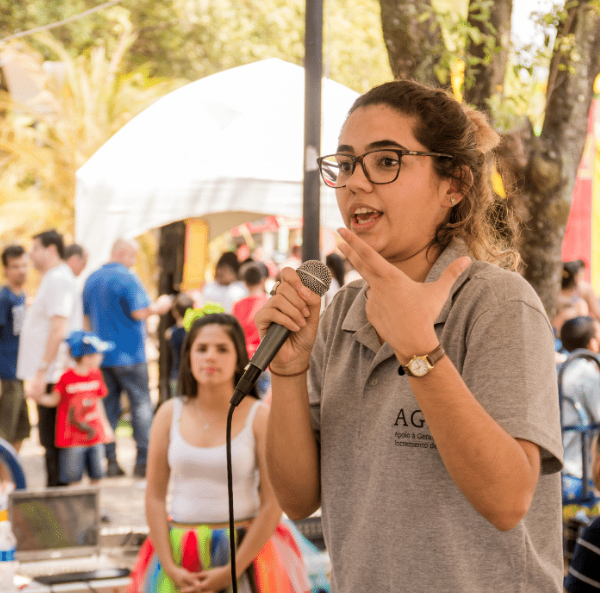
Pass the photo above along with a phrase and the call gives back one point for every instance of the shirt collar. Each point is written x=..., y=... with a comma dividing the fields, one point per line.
x=356, y=319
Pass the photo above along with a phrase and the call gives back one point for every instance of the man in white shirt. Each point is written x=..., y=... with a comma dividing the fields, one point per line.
x=42, y=356
x=225, y=289
x=76, y=257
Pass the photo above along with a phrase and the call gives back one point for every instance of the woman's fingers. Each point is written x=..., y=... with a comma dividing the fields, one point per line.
x=285, y=311
x=364, y=259
x=291, y=304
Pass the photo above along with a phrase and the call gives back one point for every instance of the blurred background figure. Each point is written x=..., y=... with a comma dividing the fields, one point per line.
x=116, y=306
x=294, y=260
x=337, y=268
x=584, y=569
x=76, y=257
x=82, y=428
x=175, y=335
x=585, y=290
x=570, y=292
x=254, y=275
x=52, y=316
x=244, y=310
x=566, y=310
x=14, y=417
x=225, y=289
x=581, y=384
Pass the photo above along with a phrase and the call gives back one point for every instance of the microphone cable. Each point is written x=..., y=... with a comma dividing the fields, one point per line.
x=316, y=277
x=232, y=546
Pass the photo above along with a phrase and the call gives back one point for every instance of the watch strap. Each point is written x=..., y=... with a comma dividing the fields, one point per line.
x=432, y=358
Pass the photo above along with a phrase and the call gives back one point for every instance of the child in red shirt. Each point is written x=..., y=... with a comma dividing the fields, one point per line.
x=82, y=428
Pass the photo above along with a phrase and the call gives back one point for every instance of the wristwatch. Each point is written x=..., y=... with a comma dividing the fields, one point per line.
x=419, y=366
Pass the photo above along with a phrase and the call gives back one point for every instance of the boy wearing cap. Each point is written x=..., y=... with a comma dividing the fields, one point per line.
x=82, y=428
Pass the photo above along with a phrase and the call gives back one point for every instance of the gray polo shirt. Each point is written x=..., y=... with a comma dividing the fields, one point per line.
x=393, y=519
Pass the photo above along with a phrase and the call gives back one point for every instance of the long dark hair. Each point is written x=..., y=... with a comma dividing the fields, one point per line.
x=187, y=386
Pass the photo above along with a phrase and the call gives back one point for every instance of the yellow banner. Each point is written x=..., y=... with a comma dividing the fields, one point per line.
x=196, y=254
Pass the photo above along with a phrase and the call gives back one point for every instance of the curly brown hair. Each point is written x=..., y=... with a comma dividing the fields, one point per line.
x=442, y=124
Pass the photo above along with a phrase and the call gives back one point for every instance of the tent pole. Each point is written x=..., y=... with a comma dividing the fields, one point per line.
x=313, y=72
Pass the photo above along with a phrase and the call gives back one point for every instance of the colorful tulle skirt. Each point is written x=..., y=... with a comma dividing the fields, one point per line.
x=278, y=567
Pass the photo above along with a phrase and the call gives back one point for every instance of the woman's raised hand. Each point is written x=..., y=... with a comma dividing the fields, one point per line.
x=402, y=311
x=296, y=308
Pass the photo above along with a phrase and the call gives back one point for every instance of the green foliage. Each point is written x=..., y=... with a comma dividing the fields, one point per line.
x=89, y=99
x=354, y=50
x=194, y=38
x=115, y=62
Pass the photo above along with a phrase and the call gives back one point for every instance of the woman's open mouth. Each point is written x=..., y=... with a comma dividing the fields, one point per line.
x=365, y=216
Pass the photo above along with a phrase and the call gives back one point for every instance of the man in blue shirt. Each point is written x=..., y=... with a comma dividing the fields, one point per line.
x=115, y=306
x=14, y=418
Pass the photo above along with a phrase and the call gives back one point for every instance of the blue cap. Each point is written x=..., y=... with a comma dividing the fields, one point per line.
x=84, y=342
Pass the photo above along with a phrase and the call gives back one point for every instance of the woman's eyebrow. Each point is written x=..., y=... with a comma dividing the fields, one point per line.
x=374, y=146
x=345, y=148
x=385, y=144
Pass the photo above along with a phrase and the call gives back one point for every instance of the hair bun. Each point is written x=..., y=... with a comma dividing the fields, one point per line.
x=487, y=139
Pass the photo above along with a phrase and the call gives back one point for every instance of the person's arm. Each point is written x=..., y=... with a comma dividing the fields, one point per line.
x=497, y=473
x=587, y=293
x=292, y=454
x=157, y=481
x=262, y=526
x=58, y=330
x=50, y=400
x=161, y=306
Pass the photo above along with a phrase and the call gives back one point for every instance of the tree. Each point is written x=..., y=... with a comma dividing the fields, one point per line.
x=87, y=100
x=194, y=38
x=539, y=171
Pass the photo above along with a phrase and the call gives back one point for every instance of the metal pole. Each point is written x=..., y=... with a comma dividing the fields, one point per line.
x=313, y=72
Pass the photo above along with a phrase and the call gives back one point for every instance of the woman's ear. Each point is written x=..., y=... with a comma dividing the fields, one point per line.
x=452, y=199
x=453, y=194
x=459, y=184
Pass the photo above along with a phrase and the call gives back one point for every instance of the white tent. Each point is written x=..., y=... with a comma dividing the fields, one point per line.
x=227, y=148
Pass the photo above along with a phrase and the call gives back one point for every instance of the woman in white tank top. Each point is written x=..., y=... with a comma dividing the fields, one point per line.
x=188, y=546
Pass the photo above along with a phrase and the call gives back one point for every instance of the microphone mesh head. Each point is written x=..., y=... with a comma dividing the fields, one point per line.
x=315, y=276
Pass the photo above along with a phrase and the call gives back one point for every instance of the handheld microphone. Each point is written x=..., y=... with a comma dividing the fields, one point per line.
x=317, y=278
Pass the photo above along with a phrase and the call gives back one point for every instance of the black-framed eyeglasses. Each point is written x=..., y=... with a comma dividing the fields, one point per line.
x=379, y=166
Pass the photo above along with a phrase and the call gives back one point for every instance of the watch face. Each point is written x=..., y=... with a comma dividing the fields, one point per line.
x=419, y=367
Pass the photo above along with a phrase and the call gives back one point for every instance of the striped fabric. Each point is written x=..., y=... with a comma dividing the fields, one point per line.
x=278, y=567
x=584, y=570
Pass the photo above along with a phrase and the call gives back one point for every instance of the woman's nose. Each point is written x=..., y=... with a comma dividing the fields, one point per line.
x=359, y=178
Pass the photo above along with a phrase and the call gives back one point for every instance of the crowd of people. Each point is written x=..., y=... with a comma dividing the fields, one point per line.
x=416, y=403
x=111, y=302
x=80, y=343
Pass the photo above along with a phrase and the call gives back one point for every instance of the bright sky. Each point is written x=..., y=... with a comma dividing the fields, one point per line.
x=524, y=28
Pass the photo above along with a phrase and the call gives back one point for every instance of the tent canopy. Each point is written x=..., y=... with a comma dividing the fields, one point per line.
x=227, y=148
